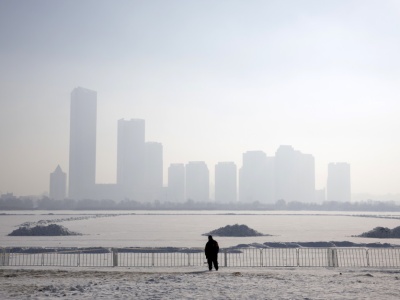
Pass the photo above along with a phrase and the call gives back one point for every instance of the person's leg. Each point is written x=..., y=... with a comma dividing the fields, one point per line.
x=215, y=261
x=209, y=261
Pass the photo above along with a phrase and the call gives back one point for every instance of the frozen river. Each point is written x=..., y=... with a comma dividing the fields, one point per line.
x=185, y=228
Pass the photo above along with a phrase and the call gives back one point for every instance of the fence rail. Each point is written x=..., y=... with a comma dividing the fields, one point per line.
x=244, y=257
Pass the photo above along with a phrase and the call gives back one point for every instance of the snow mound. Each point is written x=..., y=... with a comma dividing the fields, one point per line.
x=48, y=230
x=236, y=231
x=382, y=233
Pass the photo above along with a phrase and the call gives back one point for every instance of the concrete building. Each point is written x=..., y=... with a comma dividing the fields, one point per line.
x=294, y=175
x=256, y=178
x=58, y=184
x=82, y=147
x=176, y=183
x=338, y=185
x=197, y=181
x=131, y=158
x=225, y=182
x=153, y=171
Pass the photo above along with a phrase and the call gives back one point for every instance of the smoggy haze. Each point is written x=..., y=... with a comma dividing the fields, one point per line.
x=212, y=79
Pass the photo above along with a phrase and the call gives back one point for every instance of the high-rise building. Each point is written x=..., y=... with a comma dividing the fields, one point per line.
x=197, y=181
x=131, y=158
x=294, y=175
x=58, y=184
x=225, y=182
x=153, y=171
x=338, y=185
x=176, y=183
x=256, y=178
x=82, y=147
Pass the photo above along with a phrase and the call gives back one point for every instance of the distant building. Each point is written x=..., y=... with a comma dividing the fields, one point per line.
x=338, y=185
x=294, y=175
x=58, y=184
x=176, y=183
x=225, y=182
x=131, y=158
x=256, y=181
x=153, y=171
x=197, y=181
x=82, y=148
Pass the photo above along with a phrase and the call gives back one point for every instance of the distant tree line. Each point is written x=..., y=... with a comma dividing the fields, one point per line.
x=23, y=203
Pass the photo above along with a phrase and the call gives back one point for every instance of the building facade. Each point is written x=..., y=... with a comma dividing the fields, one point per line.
x=294, y=175
x=82, y=147
x=255, y=178
x=131, y=158
x=58, y=184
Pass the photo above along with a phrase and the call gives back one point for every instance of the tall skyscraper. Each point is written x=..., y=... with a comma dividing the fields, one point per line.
x=176, y=183
x=338, y=185
x=225, y=182
x=153, y=171
x=131, y=158
x=58, y=184
x=255, y=178
x=82, y=147
x=197, y=181
x=294, y=175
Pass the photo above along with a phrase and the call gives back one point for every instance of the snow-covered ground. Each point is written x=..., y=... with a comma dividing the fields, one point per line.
x=199, y=283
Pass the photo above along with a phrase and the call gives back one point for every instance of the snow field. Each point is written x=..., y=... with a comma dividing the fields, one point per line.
x=198, y=283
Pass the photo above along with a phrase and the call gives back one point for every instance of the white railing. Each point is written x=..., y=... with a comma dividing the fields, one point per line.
x=244, y=257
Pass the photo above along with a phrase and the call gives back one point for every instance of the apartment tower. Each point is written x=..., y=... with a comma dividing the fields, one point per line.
x=82, y=147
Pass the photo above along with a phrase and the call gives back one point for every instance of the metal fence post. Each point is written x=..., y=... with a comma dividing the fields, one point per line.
x=188, y=259
x=3, y=257
x=367, y=255
x=79, y=259
x=332, y=258
x=226, y=257
x=152, y=259
x=335, y=258
x=298, y=257
x=42, y=259
x=261, y=258
x=7, y=255
x=115, y=257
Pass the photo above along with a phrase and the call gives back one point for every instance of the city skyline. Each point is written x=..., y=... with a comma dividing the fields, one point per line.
x=212, y=80
x=288, y=176
x=136, y=128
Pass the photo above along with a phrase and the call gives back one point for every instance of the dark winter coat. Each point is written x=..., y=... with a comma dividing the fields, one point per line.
x=212, y=249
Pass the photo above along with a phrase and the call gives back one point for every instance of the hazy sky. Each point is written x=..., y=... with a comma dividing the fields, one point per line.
x=212, y=79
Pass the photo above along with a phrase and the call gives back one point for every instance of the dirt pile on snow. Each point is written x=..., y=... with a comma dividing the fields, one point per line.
x=49, y=230
x=382, y=233
x=235, y=230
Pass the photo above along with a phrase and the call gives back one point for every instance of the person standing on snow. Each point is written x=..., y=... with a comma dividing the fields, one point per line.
x=211, y=251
